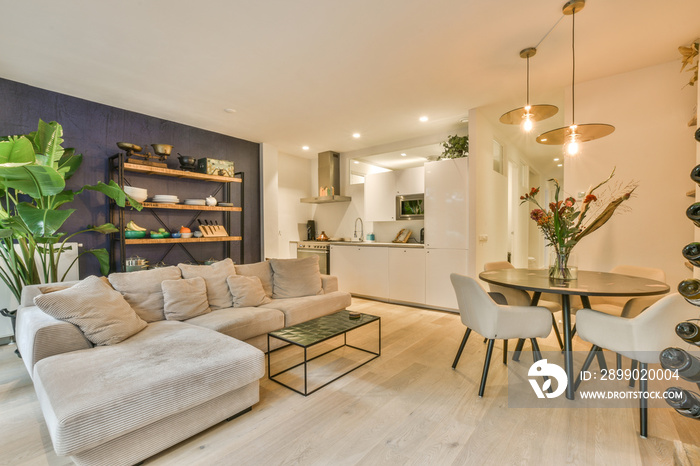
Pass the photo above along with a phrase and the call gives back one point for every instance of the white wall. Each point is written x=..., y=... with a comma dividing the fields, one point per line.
x=294, y=182
x=270, y=210
x=653, y=145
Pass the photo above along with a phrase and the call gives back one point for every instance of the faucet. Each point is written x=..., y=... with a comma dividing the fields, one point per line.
x=362, y=229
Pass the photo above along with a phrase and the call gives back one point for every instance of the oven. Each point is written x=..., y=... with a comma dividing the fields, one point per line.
x=321, y=249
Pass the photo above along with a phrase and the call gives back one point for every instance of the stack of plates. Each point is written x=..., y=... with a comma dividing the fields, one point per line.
x=195, y=202
x=165, y=199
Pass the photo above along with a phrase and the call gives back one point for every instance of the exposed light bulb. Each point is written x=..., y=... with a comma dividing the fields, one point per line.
x=527, y=123
x=572, y=146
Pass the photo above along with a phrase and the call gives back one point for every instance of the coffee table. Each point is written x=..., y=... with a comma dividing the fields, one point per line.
x=310, y=333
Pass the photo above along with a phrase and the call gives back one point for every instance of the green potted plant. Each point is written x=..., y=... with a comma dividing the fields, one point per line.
x=33, y=199
x=455, y=147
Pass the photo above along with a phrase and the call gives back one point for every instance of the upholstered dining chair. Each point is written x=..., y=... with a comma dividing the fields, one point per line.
x=522, y=298
x=493, y=321
x=641, y=338
x=626, y=307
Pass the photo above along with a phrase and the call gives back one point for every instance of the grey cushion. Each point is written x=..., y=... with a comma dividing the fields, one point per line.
x=101, y=313
x=293, y=278
x=246, y=291
x=215, y=276
x=185, y=298
x=262, y=270
x=142, y=290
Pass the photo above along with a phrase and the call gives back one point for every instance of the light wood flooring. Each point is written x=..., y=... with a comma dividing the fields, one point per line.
x=406, y=407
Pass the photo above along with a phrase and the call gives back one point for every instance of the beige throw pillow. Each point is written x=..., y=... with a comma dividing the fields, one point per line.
x=214, y=275
x=100, y=312
x=50, y=288
x=247, y=291
x=185, y=298
x=262, y=270
x=142, y=290
x=293, y=278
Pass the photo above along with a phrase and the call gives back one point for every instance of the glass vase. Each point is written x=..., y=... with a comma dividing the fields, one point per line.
x=562, y=265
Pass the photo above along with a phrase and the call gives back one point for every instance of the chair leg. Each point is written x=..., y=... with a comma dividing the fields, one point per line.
x=643, y=402
x=573, y=331
x=586, y=364
x=518, y=349
x=485, y=373
x=601, y=360
x=556, y=332
x=485, y=340
x=461, y=347
x=536, y=356
x=505, y=352
x=633, y=366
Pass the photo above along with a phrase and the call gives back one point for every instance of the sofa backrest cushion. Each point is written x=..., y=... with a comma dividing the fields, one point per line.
x=293, y=278
x=142, y=290
x=247, y=291
x=262, y=270
x=185, y=298
x=214, y=275
x=100, y=312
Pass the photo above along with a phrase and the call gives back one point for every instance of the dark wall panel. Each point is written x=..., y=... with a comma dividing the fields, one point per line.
x=94, y=129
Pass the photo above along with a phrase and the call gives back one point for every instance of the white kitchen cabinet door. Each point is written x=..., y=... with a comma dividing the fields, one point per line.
x=439, y=264
x=446, y=204
x=380, y=197
x=361, y=270
x=407, y=275
x=410, y=181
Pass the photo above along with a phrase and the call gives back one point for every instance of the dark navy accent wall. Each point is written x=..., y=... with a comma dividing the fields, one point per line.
x=94, y=129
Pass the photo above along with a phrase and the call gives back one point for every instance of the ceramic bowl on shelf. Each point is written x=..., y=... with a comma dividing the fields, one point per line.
x=197, y=234
x=176, y=234
x=130, y=234
x=187, y=235
x=157, y=236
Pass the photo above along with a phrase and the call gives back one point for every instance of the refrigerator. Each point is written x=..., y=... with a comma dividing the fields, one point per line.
x=446, y=224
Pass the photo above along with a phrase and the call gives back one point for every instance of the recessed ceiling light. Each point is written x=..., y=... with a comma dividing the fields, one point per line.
x=557, y=159
x=464, y=120
x=356, y=135
x=403, y=154
x=305, y=147
x=559, y=165
x=230, y=110
x=423, y=119
x=355, y=161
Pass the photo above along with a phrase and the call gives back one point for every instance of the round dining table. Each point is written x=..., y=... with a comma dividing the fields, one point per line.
x=587, y=284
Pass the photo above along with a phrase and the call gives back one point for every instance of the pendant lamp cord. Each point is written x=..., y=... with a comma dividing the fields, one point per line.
x=528, y=81
x=573, y=66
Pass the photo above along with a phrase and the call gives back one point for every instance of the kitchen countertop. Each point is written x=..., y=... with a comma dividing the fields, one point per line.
x=374, y=244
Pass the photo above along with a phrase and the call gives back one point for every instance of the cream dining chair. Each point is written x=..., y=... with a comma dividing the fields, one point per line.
x=641, y=338
x=626, y=307
x=522, y=298
x=481, y=314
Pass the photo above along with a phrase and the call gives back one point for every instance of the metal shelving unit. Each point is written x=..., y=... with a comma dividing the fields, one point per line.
x=117, y=170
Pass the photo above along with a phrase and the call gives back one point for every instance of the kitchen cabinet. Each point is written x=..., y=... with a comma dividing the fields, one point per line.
x=407, y=275
x=362, y=271
x=439, y=264
x=446, y=207
x=410, y=181
x=380, y=197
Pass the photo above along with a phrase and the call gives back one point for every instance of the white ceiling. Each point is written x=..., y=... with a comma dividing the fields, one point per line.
x=312, y=72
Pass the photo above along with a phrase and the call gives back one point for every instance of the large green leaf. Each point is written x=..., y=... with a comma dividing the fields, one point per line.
x=105, y=228
x=47, y=140
x=62, y=198
x=33, y=180
x=103, y=258
x=69, y=162
x=113, y=191
x=42, y=222
x=16, y=150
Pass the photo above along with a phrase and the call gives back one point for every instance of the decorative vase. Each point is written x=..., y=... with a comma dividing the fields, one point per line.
x=562, y=265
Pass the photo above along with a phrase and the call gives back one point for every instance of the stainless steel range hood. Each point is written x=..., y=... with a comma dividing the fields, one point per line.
x=328, y=177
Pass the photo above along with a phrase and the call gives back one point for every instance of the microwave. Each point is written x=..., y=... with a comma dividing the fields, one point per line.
x=409, y=207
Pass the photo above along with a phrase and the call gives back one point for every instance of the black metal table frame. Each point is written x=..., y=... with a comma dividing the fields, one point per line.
x=306, y=392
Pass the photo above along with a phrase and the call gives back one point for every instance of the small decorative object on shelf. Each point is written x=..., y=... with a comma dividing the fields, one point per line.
x=215, y=167
x=564, y=223
x=354, y=315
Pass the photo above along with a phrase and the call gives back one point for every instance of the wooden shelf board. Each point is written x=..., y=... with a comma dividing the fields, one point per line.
x=149, y=170
x=210, y=239
x=157, y=205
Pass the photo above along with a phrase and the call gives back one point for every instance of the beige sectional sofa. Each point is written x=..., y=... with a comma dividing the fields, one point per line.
x=125, y=399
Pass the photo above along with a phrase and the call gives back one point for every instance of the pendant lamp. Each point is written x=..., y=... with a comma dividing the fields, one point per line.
x=527, y=115
x=573, y=135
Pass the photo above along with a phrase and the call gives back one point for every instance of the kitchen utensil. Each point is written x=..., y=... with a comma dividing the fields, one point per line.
x=211, y=201
x=322, y=237
x=187, y=162
x=134, y=234
x=129, y=147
